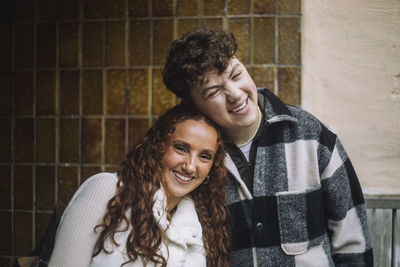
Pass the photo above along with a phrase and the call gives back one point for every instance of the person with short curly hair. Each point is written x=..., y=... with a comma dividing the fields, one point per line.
x=164, y=207
x=193, y=56
x=293, y=196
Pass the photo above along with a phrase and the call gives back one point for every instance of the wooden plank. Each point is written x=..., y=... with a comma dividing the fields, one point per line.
x=380, y=227
x=382, y=201
x=396, y=238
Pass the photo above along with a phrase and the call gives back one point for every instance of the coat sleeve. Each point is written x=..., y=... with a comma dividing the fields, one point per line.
x=344, y=206
x=76, y=238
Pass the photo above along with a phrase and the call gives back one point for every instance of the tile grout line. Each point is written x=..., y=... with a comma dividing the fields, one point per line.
x=251, y=34
x=81, y=23
x=12, y=154
x=151, y=64
x=276, y=48
x=104, y=78
x=57, y=108
x=35, y=111
x=127, y=76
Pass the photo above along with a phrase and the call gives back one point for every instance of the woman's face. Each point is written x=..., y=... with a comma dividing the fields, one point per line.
x=188, y=158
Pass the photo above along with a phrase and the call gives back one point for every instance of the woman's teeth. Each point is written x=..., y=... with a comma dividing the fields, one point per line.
x=183, y=178
x=241, y=107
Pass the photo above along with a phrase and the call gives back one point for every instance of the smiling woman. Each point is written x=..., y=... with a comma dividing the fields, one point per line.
x=188, y=159
x=164, y=206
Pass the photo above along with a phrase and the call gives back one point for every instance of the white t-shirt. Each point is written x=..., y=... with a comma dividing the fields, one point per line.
x=246, y=150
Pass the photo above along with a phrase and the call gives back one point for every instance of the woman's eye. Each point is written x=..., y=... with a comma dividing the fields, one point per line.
x=206, y=156
x=180, y=148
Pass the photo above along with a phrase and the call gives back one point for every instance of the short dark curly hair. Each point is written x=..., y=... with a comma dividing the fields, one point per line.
x=195, y=54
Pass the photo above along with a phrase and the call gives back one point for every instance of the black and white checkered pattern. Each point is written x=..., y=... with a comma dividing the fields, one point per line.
x=298, y=202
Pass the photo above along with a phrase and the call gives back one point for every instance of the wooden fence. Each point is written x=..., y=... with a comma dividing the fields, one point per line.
x=384, y=224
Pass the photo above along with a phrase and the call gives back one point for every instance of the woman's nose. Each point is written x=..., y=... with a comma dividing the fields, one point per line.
x=189, y=164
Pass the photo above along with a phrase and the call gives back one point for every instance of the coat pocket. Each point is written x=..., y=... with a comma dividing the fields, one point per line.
x=300, y=218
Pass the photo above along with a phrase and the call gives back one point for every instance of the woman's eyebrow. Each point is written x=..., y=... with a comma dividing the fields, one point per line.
x=180, y=142
x=209, y=151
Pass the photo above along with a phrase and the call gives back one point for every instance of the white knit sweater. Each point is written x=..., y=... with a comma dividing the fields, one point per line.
x=76, y=239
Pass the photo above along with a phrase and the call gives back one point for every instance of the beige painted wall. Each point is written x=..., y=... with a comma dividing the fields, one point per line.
x=351, y=81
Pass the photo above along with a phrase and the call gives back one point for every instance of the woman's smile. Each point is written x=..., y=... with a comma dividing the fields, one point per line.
x=181, y=177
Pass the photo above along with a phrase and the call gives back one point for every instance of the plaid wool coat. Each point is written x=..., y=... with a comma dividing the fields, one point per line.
x=297, y=202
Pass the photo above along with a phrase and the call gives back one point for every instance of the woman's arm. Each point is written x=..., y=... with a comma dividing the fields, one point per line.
x=76, y=238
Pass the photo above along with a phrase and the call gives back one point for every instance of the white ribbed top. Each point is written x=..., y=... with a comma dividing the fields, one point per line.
x=75, y=238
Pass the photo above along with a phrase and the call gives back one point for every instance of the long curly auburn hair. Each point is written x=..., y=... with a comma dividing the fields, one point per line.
x=140, y=176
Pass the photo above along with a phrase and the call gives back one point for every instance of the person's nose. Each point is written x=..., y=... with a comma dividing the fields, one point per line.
x=189, y=165
x=233, y=93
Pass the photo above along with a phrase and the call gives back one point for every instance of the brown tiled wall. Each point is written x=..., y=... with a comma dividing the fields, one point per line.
x=80, y=82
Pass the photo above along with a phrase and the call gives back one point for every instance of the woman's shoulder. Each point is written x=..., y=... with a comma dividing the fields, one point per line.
x=100, y=185
x=76, y=238
x=102, y=178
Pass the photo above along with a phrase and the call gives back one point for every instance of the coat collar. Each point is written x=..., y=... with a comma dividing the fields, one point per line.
x=274, y=109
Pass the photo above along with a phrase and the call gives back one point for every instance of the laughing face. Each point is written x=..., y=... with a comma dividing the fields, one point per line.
x=229, y=99
x=188, y=159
